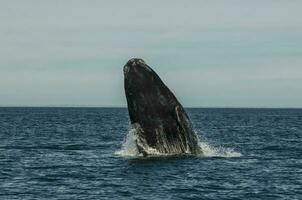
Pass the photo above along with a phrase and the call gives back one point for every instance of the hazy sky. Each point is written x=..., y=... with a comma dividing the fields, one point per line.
x=210, y=53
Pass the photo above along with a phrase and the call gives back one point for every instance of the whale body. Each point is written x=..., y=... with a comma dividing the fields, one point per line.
x=160, y=121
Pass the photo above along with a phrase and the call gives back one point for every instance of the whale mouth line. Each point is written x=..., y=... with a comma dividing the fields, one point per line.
x=126, y=69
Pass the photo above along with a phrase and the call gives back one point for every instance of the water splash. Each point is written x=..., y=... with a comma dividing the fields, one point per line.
x=129, y=149
x=211, y=151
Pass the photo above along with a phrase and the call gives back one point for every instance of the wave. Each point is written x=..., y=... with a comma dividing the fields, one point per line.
x=129, y=149
x=211, y=151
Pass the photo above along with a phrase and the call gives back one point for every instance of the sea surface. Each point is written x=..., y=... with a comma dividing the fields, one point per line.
x=86, y=153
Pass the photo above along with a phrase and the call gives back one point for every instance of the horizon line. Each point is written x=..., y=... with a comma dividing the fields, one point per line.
x=101, y=106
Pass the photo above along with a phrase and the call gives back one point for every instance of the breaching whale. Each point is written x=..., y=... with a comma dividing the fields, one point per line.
x=159, y=120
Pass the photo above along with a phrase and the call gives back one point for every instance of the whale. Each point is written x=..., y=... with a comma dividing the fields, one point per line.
x=161, y=124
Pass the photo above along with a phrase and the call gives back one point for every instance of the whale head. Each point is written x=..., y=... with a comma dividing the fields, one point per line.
x=145, y=91
x=138, y=74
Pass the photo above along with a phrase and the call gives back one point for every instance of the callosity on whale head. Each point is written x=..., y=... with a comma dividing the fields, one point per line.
x=160, y=120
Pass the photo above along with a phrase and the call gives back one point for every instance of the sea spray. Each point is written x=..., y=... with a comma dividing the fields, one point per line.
x=129, y=148
x=211, y=151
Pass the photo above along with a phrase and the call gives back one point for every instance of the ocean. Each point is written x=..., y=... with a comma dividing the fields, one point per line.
x=87, y=153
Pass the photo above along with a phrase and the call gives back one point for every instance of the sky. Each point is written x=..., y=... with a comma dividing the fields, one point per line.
x=210, y=53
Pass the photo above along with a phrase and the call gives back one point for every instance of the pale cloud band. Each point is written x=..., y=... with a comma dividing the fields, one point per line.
x=211, y=53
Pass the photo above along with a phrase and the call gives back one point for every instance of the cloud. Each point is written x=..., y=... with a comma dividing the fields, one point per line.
x=211, y=53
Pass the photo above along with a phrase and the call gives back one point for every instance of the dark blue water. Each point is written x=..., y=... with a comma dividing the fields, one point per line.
x=69, y=153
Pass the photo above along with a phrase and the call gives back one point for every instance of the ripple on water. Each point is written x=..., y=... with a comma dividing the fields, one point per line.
x=69, y=153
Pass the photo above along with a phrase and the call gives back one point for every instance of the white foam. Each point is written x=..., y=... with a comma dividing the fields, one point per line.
x=210, y=151
x=129, y=149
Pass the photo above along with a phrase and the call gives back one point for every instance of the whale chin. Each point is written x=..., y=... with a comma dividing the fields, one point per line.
x=160, y=121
